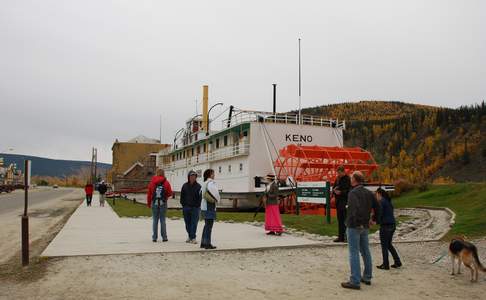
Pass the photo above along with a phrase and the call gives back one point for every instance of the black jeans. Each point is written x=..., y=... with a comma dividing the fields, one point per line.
x=386, y=237
x=341, y=216
x=88, y=199
x=206, y=235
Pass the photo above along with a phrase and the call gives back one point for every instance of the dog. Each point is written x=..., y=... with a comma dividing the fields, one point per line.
x=466, y=253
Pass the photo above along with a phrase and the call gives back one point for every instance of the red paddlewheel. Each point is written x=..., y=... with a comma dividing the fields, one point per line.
x=318, y=163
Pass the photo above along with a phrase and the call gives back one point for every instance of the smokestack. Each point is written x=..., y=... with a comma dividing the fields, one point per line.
x=205, y=120
x=274, y=98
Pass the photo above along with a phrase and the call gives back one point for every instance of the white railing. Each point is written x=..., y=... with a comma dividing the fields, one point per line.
x=244, y=116
x=219, y=154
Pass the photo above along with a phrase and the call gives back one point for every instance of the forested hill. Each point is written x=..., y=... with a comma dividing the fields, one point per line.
x=416, y=143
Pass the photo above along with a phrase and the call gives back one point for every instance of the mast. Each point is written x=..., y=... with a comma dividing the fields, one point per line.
x=300, y=89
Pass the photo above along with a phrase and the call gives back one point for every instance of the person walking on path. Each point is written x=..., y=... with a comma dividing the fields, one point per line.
x=360, y=203
x=102, y=188
x=340, y=190
x=273, y=221
x=88, y=190
x=210, y=197
x=191, y=205
x=387, y=229
x=159, y=190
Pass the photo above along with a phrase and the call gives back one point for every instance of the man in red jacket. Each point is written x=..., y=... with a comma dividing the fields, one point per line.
x=159, y=190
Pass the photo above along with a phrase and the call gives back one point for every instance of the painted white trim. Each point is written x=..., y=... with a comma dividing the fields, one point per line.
x=132, y=167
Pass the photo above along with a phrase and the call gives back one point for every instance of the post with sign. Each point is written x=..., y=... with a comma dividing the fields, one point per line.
x=25, y=217
x=317, y=192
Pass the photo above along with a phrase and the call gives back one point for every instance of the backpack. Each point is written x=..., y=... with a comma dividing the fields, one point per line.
x=158, y=195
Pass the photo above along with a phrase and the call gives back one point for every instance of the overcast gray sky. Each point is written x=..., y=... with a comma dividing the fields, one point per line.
x=77, y=74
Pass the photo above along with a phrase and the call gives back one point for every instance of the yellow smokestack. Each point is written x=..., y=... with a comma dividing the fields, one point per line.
x=205, y=120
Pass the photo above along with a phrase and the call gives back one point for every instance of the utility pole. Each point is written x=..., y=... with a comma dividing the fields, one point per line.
x=94, y=159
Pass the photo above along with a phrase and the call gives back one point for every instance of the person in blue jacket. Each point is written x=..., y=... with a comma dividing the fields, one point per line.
x=387, y=229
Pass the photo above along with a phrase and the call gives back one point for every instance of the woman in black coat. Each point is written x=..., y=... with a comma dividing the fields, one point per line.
x=387, y=229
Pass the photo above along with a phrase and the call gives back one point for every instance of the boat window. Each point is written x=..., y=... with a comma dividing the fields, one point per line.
x=225, y=140
x=217, y=143
x=241, y=167
x=245, y=133
x=192, y=151
x=205, y=147
x=229, y=168
x=219, y=169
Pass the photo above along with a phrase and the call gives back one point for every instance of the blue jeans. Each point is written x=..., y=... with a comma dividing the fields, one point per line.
x=206, y=235
x=358, y=243
x=158, y=214
x=191, y=217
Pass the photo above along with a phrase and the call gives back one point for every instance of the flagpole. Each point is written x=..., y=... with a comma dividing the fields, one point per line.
x=160, y=129
x=300, y=89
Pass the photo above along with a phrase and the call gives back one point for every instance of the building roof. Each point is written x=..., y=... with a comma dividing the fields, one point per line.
x=143, y=140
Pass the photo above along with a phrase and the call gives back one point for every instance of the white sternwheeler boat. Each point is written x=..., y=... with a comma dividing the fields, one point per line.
x=243, y=150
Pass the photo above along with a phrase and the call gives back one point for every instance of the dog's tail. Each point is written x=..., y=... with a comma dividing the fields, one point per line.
x=476, y=258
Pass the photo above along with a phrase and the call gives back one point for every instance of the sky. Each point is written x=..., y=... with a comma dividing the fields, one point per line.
x=80, y=74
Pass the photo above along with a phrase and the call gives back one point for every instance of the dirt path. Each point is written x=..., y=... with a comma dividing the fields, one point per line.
x=311, y=273
x=42, y=217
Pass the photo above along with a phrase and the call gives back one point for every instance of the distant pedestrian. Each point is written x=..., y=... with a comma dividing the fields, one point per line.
x=210, y=197
x=273, y=221
x=88, y=190
x=191, y=205
x=159, y=190
x=340, y=190
x=360, y=203
x=387, y=229
x=102, y=188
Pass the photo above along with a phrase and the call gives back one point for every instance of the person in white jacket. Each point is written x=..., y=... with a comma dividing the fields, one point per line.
x=210, y=197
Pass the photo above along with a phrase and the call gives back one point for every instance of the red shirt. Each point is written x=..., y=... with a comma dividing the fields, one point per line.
x=88, y=189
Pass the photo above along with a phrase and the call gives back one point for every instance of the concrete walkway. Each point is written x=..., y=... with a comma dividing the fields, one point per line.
x=98, y=230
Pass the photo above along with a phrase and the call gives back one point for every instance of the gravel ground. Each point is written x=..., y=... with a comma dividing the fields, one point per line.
x=305, y=273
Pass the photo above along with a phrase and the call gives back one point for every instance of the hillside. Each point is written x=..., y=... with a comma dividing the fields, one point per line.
x=416, y=143
x=52, y=167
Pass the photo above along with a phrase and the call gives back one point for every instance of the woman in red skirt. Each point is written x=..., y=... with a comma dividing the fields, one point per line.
x=273, y=222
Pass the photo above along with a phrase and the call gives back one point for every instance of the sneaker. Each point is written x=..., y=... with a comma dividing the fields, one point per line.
x=396, y=266
x=166, y=240
x=349, y=285
x=155, y=241
x=193, y=241
x=188, y=240
x=210, y=247
x=338, y=240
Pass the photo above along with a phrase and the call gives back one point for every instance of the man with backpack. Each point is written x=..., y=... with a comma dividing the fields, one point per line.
x=102, y=188
x=159, y=190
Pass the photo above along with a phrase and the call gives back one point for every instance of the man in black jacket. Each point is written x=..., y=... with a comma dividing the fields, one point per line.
x=191, y=205
x=102, y=188
x=340, y=190
x=360, y=203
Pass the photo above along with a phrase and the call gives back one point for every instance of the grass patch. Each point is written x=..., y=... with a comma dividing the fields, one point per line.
x=467, y=200
x=308, y=223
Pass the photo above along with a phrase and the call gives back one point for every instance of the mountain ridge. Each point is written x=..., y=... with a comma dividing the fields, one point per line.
x=42, y=166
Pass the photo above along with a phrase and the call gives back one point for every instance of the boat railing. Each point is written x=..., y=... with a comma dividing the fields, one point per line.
x=218, y=154
x=244, y=116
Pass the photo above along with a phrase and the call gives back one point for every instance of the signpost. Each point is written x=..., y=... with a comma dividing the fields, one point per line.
x=25, y=217
x=315, y=192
